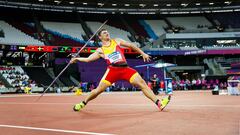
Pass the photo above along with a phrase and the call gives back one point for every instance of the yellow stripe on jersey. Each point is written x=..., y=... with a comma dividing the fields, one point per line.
x=110, y=49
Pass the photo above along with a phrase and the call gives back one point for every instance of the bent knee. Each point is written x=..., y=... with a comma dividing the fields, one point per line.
x=98, y=90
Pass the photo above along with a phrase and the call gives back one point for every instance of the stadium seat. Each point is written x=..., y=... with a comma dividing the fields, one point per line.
x=157, y=26
x=115, y=32
x=14, y=36
x=191, y=24
x=74, y=30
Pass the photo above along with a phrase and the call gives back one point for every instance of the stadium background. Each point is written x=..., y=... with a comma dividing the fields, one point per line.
x=199, y=37
x=37, y=38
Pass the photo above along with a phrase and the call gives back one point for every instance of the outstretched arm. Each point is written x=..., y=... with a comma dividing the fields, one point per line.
x=94, y=56
x=146, y=57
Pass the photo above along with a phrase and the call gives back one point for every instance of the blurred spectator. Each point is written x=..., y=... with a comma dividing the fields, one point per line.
x=225, y=85
x=194, y=84
x=155, y=84
x=221, y=85
x=174, y=85
x=162, y=85
x=188, y=84
x=24, y=83
x=2, y=85
x=204, y=82
x=217, y=82
x=198, y=83
x=211, y=83
x=182, y=85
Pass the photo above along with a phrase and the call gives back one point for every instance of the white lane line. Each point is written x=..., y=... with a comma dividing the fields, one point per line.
x=19, y=103
x=66, y=94
x=131, y=105
x=35, y=95
x=53, y=130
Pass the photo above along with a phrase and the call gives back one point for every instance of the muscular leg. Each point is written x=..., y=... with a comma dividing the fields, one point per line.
x=139, y=82
x=95, y=92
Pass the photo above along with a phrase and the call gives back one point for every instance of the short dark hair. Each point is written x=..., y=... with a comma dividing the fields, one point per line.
x=100, y=32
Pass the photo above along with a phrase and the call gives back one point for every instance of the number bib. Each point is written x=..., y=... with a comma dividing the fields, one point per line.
x=115, y=57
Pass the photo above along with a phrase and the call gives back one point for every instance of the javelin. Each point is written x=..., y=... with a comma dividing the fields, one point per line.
x=69, y=62
x=42, y=55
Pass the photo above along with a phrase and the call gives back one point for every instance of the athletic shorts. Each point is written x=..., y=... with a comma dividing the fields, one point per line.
x=114, y=74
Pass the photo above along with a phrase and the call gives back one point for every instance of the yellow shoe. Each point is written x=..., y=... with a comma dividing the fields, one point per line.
x=79, y=106
x=164, y=102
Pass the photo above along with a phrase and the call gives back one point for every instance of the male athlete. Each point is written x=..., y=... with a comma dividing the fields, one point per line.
x=118, y=69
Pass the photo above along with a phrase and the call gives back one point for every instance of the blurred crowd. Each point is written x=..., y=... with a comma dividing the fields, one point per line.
x=200, y=84
x=158, y=85
x=17, y=78
x=195, y=84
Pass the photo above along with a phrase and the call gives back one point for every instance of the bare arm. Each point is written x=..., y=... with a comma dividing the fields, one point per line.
x=94, y=56
x=146, y=57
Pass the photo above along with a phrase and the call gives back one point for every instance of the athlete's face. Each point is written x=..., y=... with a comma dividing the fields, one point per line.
x=104, y=35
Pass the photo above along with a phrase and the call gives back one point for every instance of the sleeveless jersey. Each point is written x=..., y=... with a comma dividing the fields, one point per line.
x=113, y=54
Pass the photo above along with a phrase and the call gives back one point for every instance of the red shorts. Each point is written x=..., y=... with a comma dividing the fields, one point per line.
x=114, y=74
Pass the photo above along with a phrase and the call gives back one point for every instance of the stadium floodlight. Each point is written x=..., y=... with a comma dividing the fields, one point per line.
x=142, y=5
x=100, y=4
x=57, y=1
x=184, y=4
x=198, y=4
x=227, y=2
x=114, y=4
x=40, y=0
x=126, y=5
x=71, y=2
x=84, y=3
x=155, y=5
x=211, y=3
x=169, y=5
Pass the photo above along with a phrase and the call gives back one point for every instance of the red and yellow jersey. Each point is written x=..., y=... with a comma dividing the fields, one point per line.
x=113, y=54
